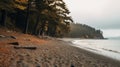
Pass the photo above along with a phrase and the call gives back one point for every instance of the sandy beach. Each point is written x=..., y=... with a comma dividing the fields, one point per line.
x=17, y=50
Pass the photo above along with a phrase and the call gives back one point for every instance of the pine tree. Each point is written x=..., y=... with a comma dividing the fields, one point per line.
x=27, y=17
x=62, y=19
x=5, y=7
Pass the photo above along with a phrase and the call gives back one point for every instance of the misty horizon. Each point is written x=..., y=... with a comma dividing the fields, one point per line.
x=100, y=14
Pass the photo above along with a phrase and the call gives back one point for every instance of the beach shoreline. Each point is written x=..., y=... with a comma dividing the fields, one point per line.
x=93, y=54
x=23, y=50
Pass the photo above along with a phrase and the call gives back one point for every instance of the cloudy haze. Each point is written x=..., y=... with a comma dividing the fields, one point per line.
x=101, y=14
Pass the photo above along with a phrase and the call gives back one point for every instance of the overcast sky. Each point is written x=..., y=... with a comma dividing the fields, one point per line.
x=101, y=14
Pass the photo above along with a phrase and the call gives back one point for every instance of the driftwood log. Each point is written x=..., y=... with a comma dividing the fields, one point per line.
x=25, y=47
x=14, y=43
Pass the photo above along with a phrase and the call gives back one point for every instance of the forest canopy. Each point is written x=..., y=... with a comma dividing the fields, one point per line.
x=38, y=17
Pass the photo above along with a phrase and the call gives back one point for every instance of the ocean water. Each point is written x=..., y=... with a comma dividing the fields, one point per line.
x=108, y=47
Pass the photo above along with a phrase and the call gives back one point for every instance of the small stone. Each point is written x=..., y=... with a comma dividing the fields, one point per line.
x=72, y=65
x=8, y=31
x=37, y=65
x=11, y=58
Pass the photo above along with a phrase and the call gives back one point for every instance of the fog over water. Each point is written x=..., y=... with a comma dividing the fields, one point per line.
x=101, y=14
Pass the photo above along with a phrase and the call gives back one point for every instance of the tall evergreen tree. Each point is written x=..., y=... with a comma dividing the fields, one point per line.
x=63, y=19
x=27, y=17
x=5, y=7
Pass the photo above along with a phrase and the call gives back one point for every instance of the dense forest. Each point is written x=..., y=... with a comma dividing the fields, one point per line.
x=84, y=31
x=37, y=17
x=42, y=17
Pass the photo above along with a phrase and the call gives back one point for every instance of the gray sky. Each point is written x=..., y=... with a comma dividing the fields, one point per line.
x=101, y=14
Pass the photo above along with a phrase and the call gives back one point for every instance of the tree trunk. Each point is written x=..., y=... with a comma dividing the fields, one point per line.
x=3, y=18
x=27, y=18
x=43, y=31
x=39, y=32
x=42, y=28
x=36, y=25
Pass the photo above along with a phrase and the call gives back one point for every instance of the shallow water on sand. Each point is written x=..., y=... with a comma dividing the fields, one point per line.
x=109, y=48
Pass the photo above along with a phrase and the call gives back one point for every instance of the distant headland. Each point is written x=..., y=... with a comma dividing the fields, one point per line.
x=84, y=31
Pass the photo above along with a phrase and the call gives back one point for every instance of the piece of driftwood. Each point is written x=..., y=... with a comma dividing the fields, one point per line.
x=2, y=36
x=14, y=43
x=24, y=47
x=13, y=37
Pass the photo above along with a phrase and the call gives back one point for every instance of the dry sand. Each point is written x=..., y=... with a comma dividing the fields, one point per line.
x=48, y=53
